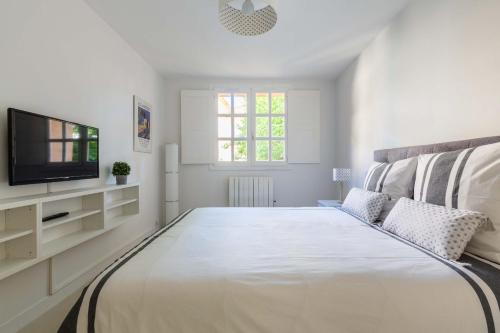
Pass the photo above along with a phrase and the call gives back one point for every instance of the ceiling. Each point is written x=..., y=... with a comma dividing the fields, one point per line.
x=312, y=39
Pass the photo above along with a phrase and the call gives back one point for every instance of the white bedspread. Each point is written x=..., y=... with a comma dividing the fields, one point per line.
x=282, y=270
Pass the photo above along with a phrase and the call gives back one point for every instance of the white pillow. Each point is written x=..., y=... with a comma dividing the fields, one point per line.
x=465, y=179
x=365, y=205
x=438, y=229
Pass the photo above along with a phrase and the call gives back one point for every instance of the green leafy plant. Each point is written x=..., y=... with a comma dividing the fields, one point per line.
x=121, y=169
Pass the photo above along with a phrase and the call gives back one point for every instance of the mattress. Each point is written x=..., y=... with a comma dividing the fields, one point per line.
x=285, y=270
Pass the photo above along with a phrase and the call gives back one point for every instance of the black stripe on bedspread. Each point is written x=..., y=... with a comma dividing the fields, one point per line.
x=460, y=270
x=486, y=271
x=69, y=324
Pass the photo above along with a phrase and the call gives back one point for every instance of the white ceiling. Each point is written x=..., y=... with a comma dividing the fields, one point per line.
x=313, y=38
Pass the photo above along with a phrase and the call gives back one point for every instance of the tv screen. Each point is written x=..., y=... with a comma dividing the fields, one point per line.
x=44, y=149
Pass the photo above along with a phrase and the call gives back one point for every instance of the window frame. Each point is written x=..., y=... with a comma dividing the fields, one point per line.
x=233, y=139
x=251, y=138
x=270, y=116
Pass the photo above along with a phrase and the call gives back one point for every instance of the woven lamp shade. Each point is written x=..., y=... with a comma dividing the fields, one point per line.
x=341, y=175
x=260, y=22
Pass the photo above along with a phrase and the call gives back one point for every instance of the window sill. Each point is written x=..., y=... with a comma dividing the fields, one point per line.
x=216, y=167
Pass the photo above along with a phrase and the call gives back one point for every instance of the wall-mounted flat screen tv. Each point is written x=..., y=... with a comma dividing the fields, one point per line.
x=44, y=149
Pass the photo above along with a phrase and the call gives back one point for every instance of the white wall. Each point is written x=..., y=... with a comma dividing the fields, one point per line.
x=433, y=75
x=58, y=58
x=301, y=185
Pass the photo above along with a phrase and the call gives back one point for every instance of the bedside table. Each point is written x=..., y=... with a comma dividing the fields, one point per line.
x=329, y=203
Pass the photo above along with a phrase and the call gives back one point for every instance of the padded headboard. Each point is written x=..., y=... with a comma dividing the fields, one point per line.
x=395, y=154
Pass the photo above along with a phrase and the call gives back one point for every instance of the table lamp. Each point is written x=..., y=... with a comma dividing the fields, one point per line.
x=341, y=175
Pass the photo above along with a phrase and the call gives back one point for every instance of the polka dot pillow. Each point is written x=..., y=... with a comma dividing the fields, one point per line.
x=438, y=229
x=365, y=205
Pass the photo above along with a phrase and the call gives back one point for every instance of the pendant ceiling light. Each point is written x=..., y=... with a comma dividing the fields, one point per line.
x=247, y=17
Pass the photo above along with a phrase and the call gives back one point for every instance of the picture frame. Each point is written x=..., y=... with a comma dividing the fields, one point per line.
x=142, y=125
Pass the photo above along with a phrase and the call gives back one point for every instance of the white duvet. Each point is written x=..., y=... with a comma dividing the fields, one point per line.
x=282, y=270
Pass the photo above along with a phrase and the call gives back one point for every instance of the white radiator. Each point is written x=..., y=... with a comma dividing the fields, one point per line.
x=251, y=192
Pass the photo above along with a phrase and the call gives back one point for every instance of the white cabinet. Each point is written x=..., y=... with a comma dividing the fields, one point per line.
x=25, y=240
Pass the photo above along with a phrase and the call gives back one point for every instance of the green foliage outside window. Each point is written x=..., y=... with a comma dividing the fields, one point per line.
x=241, y=147
x=262, y=103
x=92, y=133
x=278, y=103
x=241, y=126
x=76, y=132
x=262, y=150
x=278, y=127
x=278, y=149
x=92, y=151
x=240, y=151
x=262, y=127
x=76, y=152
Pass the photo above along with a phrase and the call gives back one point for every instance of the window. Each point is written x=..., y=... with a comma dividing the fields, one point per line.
x=270, y=127
x=232, y=127
x=251, y=131
x=279, y=127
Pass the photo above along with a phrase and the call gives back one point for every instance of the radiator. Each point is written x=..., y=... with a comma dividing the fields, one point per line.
x=251, y=192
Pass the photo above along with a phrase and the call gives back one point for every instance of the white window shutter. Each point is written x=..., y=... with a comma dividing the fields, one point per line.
x=198, y=125
x=303, y=108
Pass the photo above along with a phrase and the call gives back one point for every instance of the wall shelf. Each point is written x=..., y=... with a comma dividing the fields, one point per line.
x=9, y=267
x=116, y=222
x=25, y=240
x=68, y=241
x=13, y=234
x=119, y=203
x=69, y=218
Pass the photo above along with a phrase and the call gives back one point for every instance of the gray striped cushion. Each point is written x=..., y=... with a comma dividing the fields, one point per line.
x=374, y=177
x=394, y=179
x=465, y=179
x=438, y=177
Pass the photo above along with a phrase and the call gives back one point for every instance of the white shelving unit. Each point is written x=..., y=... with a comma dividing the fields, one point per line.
x=8, y=235
x=119, y=203
x=76, y=215
x=25, y=240
x=171, y=181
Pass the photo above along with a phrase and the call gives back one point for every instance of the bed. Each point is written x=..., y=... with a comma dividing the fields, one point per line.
x=286, y=270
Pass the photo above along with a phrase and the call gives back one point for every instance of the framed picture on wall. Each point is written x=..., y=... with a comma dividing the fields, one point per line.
x=142, y=125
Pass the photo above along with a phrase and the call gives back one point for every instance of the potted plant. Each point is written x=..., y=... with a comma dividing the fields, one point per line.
x=121, y=170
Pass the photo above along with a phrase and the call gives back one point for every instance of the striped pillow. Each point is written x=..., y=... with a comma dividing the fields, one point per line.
x=438, y=177
x=465, y=179
x=394, y=179
x=374, y=176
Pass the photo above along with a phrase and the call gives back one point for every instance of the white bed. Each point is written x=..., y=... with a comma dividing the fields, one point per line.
x=283, y=270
